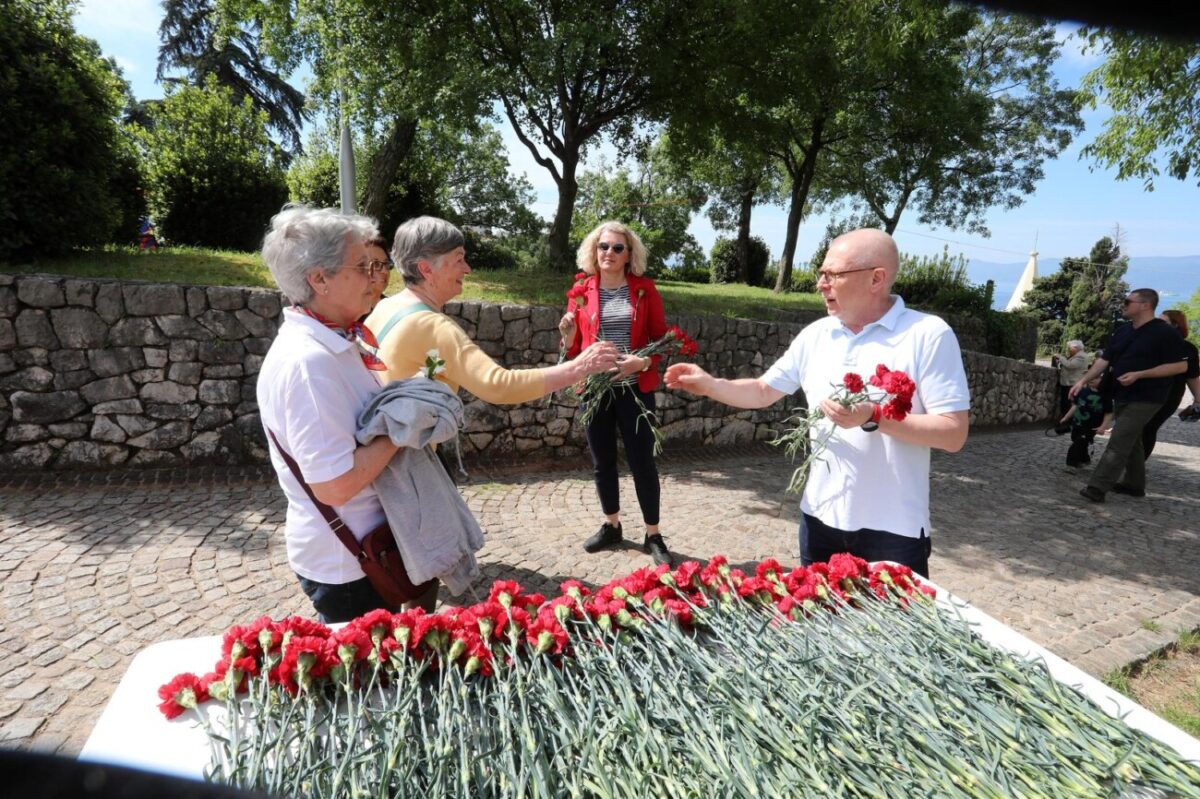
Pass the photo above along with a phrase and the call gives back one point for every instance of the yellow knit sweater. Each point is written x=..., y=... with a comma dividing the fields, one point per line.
x=407, y=343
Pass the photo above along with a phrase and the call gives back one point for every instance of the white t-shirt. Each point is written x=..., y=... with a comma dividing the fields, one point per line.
x=871, y=480
x=311, y=389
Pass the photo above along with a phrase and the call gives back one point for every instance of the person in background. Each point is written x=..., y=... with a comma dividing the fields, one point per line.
x=870, y=495
x=380, y=259
x=316, y=378
x=624, y=307
x=1144, y=356
x=1189, y=379
x=1090, y=414
x=1070, y=368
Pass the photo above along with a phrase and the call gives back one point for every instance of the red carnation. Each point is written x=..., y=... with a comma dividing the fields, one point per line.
x=853, y=383
x=184, y=692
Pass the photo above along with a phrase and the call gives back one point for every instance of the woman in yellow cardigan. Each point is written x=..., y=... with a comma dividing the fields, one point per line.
x=430, y=254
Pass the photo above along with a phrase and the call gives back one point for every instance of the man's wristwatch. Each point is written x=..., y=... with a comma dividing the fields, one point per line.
x=872, y=424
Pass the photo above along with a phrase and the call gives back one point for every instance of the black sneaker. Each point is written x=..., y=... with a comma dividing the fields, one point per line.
x=1093, y=494
x=656, y=548
x=1128, y=491
x=606, y=536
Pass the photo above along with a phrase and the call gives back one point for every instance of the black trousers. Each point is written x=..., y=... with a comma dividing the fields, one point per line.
x=619, y=414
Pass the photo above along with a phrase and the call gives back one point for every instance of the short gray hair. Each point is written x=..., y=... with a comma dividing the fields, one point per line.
x=303, y=238
x=1074, y=344
x=423, y=238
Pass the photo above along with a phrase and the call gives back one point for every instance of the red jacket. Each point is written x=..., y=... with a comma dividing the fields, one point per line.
x=647, y=324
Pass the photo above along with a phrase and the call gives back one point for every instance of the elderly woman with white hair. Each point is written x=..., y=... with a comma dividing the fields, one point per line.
x=1070, y=371
x=318, y=375
x=431, y=256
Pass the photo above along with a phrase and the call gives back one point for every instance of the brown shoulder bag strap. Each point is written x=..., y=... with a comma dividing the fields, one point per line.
x=335, y=522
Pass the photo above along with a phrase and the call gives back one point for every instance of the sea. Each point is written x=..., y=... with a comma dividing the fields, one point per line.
x=1175, y=278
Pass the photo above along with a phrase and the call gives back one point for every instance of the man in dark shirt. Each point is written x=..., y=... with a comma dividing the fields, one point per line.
x=1144, y=355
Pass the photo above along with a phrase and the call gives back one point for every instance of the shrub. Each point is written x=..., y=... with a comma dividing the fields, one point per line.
x=723, y=261
x=213, y=173
x=940, y=284
x=59, y=100
x=488, y=253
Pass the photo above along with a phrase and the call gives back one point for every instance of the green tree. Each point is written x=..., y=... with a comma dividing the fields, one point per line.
x=725, y=266
x=195, y=40
x=63, y=168
x=213, y=172
x=1094, y=308
x=966, y=125
x=1152, y=85
x=1192, y=309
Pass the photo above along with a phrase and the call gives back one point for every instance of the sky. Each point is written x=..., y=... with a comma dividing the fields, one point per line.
x=1074, y=205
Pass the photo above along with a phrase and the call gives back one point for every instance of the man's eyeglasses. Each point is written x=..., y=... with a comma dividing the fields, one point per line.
x=830, y=276
x=1131, y=300
x=604, y=246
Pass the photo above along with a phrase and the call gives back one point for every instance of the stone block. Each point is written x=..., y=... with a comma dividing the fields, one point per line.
x=224, y=298
x=482, y=416
x=105, y=429
x=80, y=292
x=113, y=454
x=118, y=406
x=223, y=371
x=153, y=458
x=266, y=304
x=41, y=292
x=108, y=389
x=69, y=430
x=254, y=324
x=136, y=332
x=186, y=373
x=154, y=300
x=135, y=425
x=221, y=352
x=33, y=456
x=543, y=318
x=73, y=379
x=223, y=324
x=79, y=328
x=115, y=361
x=155, y=356
x=35, y=330
x=220, y=392
x=8, y=335
x=212, y=418
x=197, y=301
x=170, y=435
x=257, y=346
x=167, y=391
x=510, y=312
x=183, y=351
x=7, y=364
x=202, y=447
x=516, y=334
x=68, y=360
x=490, y=326
x=110, y=305
x=26, y=433
x=142, y=376
x=252, y=364
x=8, y=303
x=44, y=408
x=33, y=378
x=178, y=326
x=79, y=453
x=165, y=411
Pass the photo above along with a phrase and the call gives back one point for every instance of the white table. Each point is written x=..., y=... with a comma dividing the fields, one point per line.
x=132, y=732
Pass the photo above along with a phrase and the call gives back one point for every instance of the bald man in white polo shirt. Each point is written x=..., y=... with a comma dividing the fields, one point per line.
x=873, y=499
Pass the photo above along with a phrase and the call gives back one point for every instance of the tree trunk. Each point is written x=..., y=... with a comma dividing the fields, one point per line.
x=743, y=235
x=385, y=165
x=801, y=183
x=560, y=228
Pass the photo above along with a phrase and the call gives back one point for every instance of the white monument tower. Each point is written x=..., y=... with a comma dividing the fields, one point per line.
x=1017, y=301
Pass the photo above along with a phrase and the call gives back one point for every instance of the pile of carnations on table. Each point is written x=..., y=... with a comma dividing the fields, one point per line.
x=834, y=680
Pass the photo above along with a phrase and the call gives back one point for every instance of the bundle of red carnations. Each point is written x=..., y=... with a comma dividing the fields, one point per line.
x=834, y=680
x=810, y=435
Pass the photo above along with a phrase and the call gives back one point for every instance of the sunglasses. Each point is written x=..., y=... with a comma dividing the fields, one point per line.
x=1131, y=300
x=604, y=246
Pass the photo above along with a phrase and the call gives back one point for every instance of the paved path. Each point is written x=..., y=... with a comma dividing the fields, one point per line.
x=94, y=568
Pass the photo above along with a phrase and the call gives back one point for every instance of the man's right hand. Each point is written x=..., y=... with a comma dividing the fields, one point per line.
x=688, y=377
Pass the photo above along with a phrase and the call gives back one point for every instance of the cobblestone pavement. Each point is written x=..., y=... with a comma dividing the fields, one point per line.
x=96, y=567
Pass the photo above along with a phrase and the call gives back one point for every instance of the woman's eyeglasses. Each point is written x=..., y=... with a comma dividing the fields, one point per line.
x=604, y=246
x=375, y=268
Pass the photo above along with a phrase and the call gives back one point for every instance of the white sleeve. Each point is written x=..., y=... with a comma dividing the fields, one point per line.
x=942, y=384
x=319, y=415
x=785, y=374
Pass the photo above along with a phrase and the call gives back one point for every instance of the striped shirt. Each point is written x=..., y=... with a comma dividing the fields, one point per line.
x=616, y=318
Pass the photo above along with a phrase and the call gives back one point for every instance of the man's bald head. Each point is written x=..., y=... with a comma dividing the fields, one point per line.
x=868, y=247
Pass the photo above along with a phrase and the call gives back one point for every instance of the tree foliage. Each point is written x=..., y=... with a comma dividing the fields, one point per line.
x=726, y=268
x=966, y=125
x=59, y=145
x=1192, y=309
x=1062, y=303
x=196, y=40
x=1152, y=85
x=212, y=171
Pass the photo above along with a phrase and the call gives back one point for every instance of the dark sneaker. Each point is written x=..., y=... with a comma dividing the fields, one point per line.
x=1128, y=491
x=607, y=536
x=655, y=547
x=1093, y=494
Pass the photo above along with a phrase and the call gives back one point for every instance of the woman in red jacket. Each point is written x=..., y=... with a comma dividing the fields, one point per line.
x=624, y=308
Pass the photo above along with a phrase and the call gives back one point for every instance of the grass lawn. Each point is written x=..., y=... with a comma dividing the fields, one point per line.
x=1167, y=683
x=225, y=268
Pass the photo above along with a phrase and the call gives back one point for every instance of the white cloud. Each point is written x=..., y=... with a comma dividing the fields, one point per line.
x=1075, y=53
x=98, y=17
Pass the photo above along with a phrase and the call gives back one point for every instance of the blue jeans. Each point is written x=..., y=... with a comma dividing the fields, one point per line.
x=338, y=603
x=819, y=542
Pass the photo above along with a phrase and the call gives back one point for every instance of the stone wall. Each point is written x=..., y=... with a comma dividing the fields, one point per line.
x=99, y=373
